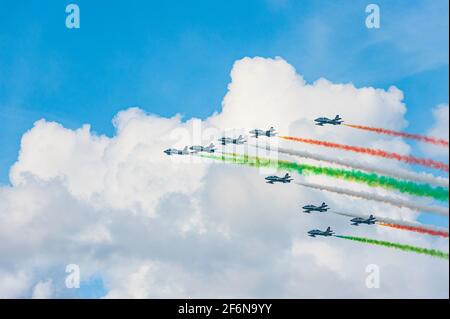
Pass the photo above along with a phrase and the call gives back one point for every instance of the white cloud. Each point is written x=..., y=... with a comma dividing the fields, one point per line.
x=159, y=226
x=43, y=290
x=13, y=284
x=439, y=129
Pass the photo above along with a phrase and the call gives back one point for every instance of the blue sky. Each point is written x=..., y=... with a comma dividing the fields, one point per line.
x=172, y=57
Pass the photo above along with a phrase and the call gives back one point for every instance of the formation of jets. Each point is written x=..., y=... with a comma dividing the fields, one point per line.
x=322, y=208
x=317, y=232
x=321, y=121
x=269, y=133
x=276, y=179
x=359, y=220
x=255, y=133
x=371, y=220
x=313, y=208
x=223, y=140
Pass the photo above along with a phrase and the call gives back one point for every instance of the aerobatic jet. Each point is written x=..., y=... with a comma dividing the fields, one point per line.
x=317, y=232
x=276, y=179
x=257, y=132
x=229, y=140
x=174, y=151
x=313, y=208
x=198, y=148
x=325, y=120
x=359, y=220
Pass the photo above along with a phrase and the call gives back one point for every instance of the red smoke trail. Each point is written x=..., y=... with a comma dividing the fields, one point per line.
x=422, y=138
x=416, y=229
x=374, y=152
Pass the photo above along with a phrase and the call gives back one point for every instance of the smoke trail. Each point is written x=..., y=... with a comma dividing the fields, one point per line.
x=421, y=178
x=422, y=138
x=417, y=229
x=384, y=199
x=374, y=152
x=419, y=250
x=404, y=225
x=370, y=179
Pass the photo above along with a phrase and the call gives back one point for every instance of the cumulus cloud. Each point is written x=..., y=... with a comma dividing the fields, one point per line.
x=14, y=284
x=439, y=129
x=158, y=226
x=43, y=290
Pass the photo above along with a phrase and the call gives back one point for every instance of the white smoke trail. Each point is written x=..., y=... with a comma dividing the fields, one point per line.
x=416, y=177
x=379, y=198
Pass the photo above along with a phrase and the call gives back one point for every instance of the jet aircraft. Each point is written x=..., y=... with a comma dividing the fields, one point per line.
x=313, y=208
x=198, y=148
x=317, y=232
x=277, y=179
x=229, y=140
x=257, y=132
x=359, y=220
x=325, y=120
x=174, y=151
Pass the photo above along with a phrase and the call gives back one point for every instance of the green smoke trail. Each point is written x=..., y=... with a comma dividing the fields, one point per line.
x=371, y=179
x=419, y=250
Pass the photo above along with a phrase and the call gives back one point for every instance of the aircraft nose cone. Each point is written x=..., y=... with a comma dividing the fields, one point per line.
x=167, y=152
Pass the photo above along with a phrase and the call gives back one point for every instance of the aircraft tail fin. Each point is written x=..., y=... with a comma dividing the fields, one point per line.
x=185, y=148
x=371, y=216
x=211, y=145
x=337, y=117
x=323, y=204
x=328, y=229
